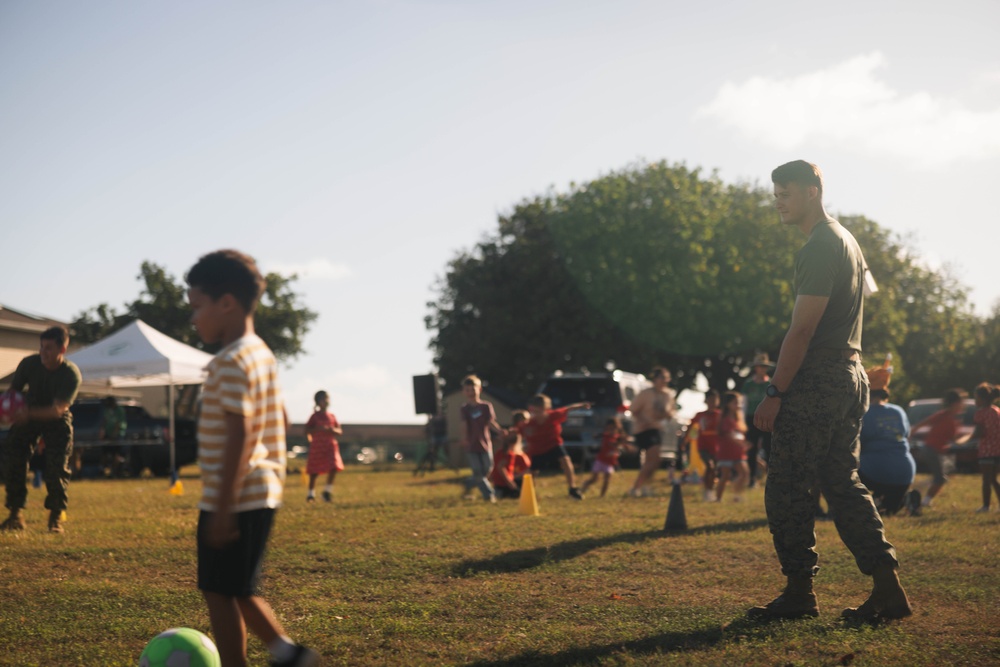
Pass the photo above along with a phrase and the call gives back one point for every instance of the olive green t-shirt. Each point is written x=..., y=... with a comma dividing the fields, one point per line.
x=831, y=264
x=45, y=387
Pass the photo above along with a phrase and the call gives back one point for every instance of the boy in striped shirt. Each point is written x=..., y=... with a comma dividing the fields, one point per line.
x=241, y=450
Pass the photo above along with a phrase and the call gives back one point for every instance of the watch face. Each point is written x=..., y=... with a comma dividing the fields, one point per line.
x=772, y=391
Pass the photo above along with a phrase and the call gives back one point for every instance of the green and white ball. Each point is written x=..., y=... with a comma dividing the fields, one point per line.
x=180, y=647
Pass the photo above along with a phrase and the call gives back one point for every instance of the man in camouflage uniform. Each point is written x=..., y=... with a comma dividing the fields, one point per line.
x=814, y=405
x=53, y=382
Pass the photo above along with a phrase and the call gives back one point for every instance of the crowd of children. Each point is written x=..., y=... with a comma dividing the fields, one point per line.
x=719, y=434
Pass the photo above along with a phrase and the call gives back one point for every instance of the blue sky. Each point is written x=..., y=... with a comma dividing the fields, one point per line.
x=363, y=144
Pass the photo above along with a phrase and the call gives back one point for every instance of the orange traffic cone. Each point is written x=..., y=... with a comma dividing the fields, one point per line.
x=676, y=519
x=528, y=503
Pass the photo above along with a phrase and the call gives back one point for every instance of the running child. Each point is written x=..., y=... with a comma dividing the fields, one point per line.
x=478, y=417
x=324, y=450
x=987, y=420
x=707, y=424
x=542, y=432
x=732, y=455
x=511, y=462
x=613, y=440
x=943, y=426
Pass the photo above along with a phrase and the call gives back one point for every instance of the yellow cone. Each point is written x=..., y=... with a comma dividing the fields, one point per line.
x=177, y=489
x=528, y=504
x=695, y=457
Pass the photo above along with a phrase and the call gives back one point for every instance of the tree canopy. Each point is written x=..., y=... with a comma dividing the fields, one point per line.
x=281, y=321
x=662, y=264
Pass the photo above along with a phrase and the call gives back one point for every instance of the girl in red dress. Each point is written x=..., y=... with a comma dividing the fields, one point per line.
x=732, y=452
x=322, y=430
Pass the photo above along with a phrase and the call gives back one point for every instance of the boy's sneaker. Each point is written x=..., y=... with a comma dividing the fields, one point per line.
x=304, y=657
x=575, y=493
x=913, y=502
x=310, y=498
x=983, y=510
x=327, y=497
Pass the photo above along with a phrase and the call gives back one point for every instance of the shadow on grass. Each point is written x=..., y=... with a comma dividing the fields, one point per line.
x=526, y=559
x=740, y=629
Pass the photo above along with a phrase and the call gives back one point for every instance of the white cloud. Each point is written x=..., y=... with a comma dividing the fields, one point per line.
x=848, y=106
x=313, y=269
x=359, y=395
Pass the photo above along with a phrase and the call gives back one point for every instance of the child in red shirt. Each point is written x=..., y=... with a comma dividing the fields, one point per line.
x=987, y=420
x=542, y=432
x=613, y=440
x=707, y=424
x=511, y=462
x=943, y=426
x=322, y=430
x=732, y=453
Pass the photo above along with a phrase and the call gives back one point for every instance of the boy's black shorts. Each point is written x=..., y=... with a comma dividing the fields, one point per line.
x=647, y=439
x=234, y=570
x=549, y=458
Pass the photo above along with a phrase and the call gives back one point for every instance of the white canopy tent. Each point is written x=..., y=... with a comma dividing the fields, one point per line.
x=137, y=355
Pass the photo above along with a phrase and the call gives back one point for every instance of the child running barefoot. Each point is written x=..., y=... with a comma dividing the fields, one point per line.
x=987, y=420
x=613, y=440
x=324, y=451
x=732, y=457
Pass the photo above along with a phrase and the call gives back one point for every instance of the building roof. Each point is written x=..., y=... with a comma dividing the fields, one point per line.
x=19, y=320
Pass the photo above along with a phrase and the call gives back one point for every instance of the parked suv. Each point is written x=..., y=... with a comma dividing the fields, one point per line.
x=967, y=455
x=610, y=395
x=145, y=444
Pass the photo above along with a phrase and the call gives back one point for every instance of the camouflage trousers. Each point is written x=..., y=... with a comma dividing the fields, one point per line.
x=17, y=450
x=815, y=444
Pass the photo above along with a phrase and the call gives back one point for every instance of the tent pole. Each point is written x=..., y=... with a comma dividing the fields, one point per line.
x=170, y=404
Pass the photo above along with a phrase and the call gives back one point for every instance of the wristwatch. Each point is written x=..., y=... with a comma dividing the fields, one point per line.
x=774, y=392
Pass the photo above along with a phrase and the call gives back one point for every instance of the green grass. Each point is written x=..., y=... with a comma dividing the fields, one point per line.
x=402, y=571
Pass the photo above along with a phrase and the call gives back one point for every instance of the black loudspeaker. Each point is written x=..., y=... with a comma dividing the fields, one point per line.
x=426, y=394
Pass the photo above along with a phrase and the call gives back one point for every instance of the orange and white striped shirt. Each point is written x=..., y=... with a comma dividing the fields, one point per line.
x=243, y=380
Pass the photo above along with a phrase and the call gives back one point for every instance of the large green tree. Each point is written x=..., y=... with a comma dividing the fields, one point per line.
x=660, y=263
x=281, y=320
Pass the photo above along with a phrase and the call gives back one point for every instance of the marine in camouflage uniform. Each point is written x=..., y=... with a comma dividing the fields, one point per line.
x=814, y=407
x=52, y=384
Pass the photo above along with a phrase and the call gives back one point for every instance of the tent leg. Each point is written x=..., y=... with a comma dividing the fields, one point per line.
x=173, y=456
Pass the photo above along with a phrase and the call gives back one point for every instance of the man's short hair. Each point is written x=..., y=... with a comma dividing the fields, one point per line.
x=228, y=272
x=58, y=333
x=540, y=401
x=799, y=172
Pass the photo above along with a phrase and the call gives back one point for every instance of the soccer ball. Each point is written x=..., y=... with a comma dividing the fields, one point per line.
x=180, y=647
x=11, y=402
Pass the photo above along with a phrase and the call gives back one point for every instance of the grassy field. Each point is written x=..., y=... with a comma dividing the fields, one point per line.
x=402, y=571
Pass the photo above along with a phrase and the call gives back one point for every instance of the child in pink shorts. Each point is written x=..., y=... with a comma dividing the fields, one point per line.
x=613, y=440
